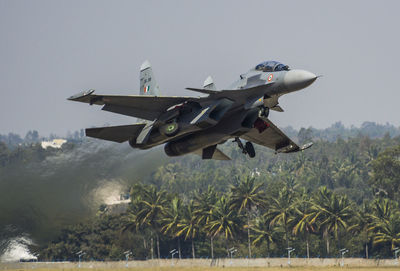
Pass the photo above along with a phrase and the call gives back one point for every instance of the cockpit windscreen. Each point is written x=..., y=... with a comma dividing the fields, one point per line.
x=271, y=66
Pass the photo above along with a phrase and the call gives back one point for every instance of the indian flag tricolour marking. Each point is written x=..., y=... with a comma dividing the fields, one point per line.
x=146, y=89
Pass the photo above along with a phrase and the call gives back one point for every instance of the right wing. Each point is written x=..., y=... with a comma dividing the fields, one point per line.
x=238, y=95
x=140, y=106
x=116, y=133
x=273, y=138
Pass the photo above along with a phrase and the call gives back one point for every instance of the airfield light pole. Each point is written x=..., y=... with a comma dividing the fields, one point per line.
x=127, y=254
x=173, y=252
x=289, y=250
x=231, y=251
x=396, y=253
x=80, y=254
x=342, y=252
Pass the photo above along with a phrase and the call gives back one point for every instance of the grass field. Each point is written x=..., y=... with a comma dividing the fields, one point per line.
x=270, y=264
x=227, y=269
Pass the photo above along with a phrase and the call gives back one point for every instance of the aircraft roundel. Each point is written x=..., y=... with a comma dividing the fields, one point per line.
x=270, y=77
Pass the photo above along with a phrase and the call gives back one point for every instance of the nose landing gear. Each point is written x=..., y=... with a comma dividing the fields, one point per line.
x=248, y=148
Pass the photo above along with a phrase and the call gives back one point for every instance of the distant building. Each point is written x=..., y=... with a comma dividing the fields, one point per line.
x=55, y=143
x=118, y=206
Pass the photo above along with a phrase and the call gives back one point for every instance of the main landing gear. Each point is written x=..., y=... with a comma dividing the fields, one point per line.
x=248, y=148
x=264, y=112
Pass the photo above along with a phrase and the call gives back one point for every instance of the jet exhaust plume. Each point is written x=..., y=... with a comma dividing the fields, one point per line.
x=40, y=196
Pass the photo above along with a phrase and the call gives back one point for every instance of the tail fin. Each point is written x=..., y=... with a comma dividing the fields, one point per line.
x=209, y=84
x=148, y=84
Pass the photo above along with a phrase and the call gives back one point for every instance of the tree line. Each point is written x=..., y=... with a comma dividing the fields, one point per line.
x=248, y=212
x=259, y=218
x=363, y=170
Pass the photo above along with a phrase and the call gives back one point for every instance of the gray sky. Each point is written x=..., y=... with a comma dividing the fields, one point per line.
x=50, y=50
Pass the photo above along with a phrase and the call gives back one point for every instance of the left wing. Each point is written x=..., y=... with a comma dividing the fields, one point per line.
x=140, y=106
x=151, y=107
x=273, y=138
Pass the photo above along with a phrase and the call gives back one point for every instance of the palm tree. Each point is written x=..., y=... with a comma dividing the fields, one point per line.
x=280, y=210
x=263, y=232
x=246, y=195
x=188, y=226
x=152, y=208
x=167, y=174
x=388, y=231
x=344, y=172
x=204, y=204
x=385, y=222
x=303, y=223
x=333, y=212
x=130, y=221
x=362, y=225
x=382, y=209
x=170, y=221
x=224, y=220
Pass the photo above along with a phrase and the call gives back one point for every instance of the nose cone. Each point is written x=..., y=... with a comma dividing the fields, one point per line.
x=298, y=79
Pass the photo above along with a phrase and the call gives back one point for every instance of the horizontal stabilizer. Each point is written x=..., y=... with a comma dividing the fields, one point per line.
x=116, y=133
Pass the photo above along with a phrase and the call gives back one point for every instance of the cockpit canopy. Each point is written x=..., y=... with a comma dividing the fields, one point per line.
x=271, y=66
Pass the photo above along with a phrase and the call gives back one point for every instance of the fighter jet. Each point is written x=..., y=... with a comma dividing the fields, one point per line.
x=199, y=124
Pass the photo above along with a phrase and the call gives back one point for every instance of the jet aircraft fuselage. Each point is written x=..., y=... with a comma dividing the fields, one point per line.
x=198, y=124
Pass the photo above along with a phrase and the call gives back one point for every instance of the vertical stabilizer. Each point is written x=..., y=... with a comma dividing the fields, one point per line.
x=209, y=84
x=148, y=84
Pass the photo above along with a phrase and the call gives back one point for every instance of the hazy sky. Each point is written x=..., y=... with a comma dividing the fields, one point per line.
x=50, y=50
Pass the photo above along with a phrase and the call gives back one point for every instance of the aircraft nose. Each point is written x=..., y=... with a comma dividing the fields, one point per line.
x=298, y=79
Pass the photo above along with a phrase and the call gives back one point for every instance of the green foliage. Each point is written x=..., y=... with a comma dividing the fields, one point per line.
x=287, y=218
x=319, y=198
x=386, y=173
x=342, y=192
